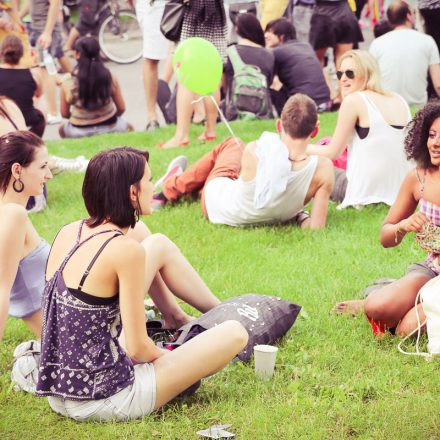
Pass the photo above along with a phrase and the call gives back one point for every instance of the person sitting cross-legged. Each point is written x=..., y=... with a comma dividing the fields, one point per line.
x=267, y=181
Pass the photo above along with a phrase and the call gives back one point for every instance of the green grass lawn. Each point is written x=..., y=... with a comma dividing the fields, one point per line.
x=333, y=378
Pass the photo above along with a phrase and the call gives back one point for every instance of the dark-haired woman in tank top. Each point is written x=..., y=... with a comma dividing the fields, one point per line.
x=24, y=170
x=21, y=84
x=98, y=273
x=91, y=98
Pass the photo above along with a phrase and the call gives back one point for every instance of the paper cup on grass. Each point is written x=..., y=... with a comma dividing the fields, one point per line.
x=264, y=356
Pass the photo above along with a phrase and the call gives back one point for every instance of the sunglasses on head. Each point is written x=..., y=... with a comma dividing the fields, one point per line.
x=349, y=73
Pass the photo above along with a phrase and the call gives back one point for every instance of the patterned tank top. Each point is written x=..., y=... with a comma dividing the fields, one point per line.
x=81, y=358
x=432, y=213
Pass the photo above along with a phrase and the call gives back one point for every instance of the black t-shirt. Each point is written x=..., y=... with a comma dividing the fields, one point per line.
x=19, y=85
x=256, y=56
x=299, y=70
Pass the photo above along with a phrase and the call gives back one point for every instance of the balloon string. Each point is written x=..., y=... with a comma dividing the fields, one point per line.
x=222, y=116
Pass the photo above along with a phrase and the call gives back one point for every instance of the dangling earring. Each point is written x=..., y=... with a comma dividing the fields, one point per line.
x=21, y=185
x=137, y=210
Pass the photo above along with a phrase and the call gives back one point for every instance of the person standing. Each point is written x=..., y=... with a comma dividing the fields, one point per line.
x=155, y=48
x=46, y=35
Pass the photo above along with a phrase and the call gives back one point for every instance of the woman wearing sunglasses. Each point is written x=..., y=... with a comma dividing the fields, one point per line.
x=392, y=306
x=371, y=122
x=98, y=272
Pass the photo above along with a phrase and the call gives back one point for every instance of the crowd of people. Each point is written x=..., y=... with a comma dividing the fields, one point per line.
x=81, y=298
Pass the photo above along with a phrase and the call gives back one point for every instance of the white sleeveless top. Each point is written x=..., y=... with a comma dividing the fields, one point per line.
x=377, y=164
x=231, y=202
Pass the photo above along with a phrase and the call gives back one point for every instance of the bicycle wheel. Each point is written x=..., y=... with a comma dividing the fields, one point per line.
x=120, y=37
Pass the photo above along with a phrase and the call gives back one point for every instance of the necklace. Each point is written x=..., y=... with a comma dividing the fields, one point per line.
x=297, y=160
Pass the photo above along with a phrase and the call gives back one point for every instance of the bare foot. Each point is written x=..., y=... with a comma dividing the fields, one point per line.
x=177, y=321
x=352, y=307
x=175, y=142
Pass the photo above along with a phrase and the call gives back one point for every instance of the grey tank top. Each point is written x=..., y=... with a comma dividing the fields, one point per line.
x=28, y=287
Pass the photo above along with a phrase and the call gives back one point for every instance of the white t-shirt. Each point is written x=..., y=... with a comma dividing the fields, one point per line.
x=404, y=57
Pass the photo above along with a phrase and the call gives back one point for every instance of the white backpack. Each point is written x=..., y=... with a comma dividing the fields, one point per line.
x=430, y=299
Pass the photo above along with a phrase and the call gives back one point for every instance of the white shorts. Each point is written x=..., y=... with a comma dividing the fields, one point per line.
x=133, y=402
x=149, y=16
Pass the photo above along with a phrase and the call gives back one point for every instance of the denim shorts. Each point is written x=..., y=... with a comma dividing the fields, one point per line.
x=74, y=131
x=56, y=48
x=421, y=268
x=133, y=402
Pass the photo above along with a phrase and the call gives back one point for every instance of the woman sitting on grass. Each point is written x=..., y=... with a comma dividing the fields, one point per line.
x=21, y=84
x=392, y=306
x=371, y=121
x=91, y=98
x=24, y=170
x=98, y=273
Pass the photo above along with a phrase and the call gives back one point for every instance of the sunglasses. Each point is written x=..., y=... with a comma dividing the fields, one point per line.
x=349, y=73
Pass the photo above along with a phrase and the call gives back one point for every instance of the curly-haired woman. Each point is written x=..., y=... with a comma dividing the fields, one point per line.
x=392, y=306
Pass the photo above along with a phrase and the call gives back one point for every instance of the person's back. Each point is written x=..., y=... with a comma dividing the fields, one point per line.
x=268, y=181
x=404, y=57
x=98, y=273
x=299, y=70
x=91, y=98
x=18, y=85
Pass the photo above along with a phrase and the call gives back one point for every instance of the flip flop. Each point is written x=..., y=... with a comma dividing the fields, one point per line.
x=207, y=138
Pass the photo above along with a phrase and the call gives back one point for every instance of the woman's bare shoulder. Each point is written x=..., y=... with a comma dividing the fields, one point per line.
x=13, y=211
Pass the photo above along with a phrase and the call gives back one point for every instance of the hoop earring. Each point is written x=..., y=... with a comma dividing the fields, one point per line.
x=137, y=210
x=20, y=188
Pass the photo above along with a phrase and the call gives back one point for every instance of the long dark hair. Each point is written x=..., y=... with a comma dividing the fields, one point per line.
x=16, y=147
x=106, y=186
x=417, y=138
x=249, y=27
x=94, y=79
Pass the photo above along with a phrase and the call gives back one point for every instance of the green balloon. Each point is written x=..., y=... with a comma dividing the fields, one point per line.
x=198, y=65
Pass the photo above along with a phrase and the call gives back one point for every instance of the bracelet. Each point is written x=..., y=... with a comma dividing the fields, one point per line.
x=398, y=231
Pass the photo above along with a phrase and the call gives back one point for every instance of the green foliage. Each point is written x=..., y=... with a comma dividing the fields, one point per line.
x=333, y=378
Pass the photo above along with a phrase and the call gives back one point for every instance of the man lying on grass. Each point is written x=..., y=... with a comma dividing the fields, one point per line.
x=267, y=181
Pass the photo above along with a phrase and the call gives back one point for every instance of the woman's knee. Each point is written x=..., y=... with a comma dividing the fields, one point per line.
x=236, y=332
x=375, y=307
x=160, y=242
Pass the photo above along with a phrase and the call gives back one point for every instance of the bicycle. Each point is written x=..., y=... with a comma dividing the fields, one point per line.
x=119, y=35
x=118, y=31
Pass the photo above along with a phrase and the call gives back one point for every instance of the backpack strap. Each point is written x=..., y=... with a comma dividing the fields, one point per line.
x=236, y=61
x=89, y=267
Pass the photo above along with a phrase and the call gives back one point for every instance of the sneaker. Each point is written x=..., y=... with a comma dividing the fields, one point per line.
x=176, y=167
x=152, y=125
x=53, y=119
x=77, y=165
x=158, y=201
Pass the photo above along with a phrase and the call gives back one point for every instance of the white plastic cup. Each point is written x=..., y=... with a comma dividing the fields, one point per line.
x=265, y=356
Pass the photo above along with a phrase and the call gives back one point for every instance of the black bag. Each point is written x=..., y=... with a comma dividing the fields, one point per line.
x=241, y=8
x=172, y=19
x=266, y=319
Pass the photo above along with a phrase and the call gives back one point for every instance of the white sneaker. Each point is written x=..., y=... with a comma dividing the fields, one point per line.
x=77, y=165
x=53, y=119
x=176, y=167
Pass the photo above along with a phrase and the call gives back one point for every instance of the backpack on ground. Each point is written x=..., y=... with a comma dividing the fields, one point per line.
x=248, y=97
